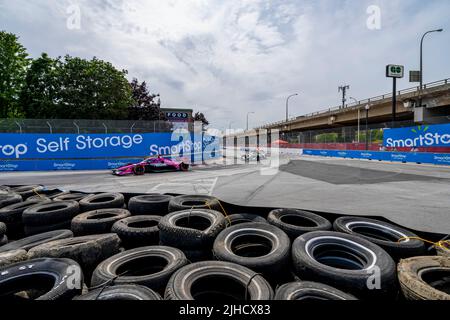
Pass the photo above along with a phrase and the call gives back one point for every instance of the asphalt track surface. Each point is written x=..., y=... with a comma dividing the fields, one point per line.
x=416, y=196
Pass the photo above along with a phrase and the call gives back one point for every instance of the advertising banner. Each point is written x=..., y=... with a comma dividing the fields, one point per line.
x=86, y=146
x=415, y=157
x=43, y=152
x=420, y=136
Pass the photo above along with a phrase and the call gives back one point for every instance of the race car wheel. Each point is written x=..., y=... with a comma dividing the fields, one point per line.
x=139, y=170
x=184, y=167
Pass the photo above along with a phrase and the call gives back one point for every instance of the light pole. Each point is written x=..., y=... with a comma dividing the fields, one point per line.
x=344, y=89
x=359, y=117
x=421, y=60
x=367, y=125
x=287, y=105
x=249, y=113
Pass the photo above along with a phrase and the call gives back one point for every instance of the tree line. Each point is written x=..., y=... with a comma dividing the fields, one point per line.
x=70, y=88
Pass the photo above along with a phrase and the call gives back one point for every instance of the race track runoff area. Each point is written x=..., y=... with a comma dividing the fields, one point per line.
x=415, y=196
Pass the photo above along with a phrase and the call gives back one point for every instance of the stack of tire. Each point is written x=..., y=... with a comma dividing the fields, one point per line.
x=188, y=247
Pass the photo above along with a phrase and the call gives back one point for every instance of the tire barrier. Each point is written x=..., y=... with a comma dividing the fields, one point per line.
x=138, y=231
x=192, y=231
x=398, y=242
x=35, y=275
x=195, y=247
x=310, y=291
x=239, y=218
x=216, y=281
x=152, y=204
x=97, y=221
x=346, y=262
x=259, y=246
x=425, y=278
x=49, y=216
x=297, y=222
x=121, y=292
x=148, y=266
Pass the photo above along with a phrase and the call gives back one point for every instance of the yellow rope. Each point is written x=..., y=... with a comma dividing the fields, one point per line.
x=223, y=209
x=444, y=244
x=41, y=196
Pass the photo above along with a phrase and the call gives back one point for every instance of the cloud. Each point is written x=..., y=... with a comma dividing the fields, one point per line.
x=227, y=58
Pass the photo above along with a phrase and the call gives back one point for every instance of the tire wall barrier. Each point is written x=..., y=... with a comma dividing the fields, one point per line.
x=414, y=157
x=43, y=152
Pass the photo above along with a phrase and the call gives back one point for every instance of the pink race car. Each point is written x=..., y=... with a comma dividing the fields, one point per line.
x=158, y=164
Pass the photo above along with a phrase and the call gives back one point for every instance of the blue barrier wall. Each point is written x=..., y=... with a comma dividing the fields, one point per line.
x=421, y=136
x=415, y=157
x=34, y=152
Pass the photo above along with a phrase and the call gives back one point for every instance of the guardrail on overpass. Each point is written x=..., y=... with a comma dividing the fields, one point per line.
x=356, y=105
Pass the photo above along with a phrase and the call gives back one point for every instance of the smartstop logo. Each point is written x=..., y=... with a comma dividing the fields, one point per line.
x=422, y=137
x=11, y=150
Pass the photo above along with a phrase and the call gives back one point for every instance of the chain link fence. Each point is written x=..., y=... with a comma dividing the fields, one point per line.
x=88, y=126
x=373, y=134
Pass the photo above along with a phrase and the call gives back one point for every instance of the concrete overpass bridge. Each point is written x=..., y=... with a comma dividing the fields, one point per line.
x=435, y=103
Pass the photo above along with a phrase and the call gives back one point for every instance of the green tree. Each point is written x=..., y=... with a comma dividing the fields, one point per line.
x=145, y=106
x=92, y=89
x=75, y=88
x=13, y=67
x=40, y=95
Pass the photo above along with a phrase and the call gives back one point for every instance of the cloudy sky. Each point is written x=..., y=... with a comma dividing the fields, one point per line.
x=227, y=58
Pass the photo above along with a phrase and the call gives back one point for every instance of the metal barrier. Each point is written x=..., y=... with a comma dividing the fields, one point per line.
x=80, y=126
x=358, y=104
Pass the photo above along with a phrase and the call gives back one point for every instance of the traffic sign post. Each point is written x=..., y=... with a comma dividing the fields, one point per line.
x=394, y=71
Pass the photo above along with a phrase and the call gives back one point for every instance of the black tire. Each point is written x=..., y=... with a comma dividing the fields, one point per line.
x=148, y=266
x=188, y=202
x=191, y=229
x=27, y=191
x=102, y=201
x=151, y=204
x=425, y=278
x=138, y=231
x=310, y=291
x=217, y=281
x=121, y=293
x=184, y=167
x=259, y=246
x=383, y=234
x=11, y=257
x=198, y=255
x=5, y=189
x=71, y=197
x=97, y=221
x=239, y=218
x=3, y=240
x=9, y=198
x=297, y=222
x=346, y=262
x=33, y=241
x=29, y=275
x=50, y=213
x=139, y=170
x=13, y=213
x=35, y=230
x=88, y=251
x=2, y=229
